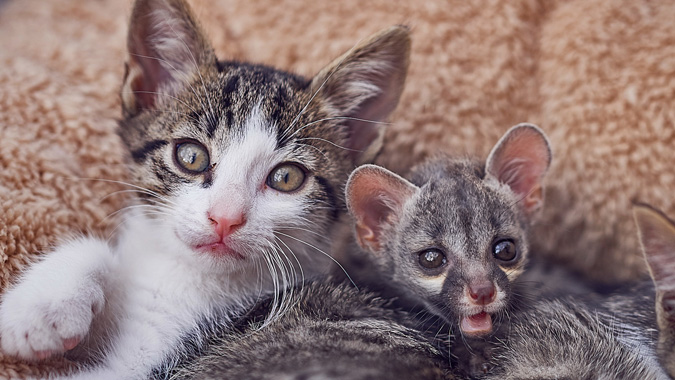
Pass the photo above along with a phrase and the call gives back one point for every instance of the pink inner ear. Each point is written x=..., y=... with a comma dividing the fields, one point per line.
x=374, y=214
x=146, y=78
x=520, y=159
x=165, y=47
x=657, y=235
x=375, y=196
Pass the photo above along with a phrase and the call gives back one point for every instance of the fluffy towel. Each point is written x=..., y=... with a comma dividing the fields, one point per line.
x=598, y=76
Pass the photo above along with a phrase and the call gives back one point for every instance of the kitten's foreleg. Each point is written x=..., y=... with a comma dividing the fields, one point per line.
x=52, y=306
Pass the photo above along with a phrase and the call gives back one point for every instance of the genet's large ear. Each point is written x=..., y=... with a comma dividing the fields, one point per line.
x=521, y=159
x=363, y=86
x=375, y=197
x=657, y=237
x=166, y=49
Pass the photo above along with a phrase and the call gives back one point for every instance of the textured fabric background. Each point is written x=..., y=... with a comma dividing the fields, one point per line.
x=598, y=76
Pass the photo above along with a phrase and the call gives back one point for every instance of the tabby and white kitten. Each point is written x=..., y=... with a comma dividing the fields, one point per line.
x=239, y=170
x=626, y=336
x=454, y=238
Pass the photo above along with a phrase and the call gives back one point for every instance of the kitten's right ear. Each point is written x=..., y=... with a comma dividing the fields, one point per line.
x=363, y=87
x=166, y=49
x=521, y=159
x=376, y=197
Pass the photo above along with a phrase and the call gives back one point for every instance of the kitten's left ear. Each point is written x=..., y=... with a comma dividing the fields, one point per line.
x=364, y=86
x=376, y=197
x=521, y=159
x=166, y=50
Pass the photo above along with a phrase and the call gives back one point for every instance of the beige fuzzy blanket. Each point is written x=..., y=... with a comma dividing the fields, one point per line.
x=598, y=76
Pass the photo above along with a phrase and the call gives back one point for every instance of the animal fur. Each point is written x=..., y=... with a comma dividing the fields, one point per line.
x=331, y=332
x=596, y=75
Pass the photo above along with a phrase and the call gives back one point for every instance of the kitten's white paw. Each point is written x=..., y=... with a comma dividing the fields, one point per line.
x=52, y=307
x=37, y=327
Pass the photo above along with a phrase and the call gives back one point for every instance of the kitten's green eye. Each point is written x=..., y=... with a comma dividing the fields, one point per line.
x=192, y=156
x=432, y=258
x=286, y=177
x=504, y=250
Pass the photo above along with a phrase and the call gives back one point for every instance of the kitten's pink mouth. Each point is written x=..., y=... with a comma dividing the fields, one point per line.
x=477, y=324
x=219, y=249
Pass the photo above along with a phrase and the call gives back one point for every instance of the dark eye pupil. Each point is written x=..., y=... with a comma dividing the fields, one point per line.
x=431, y=256
x=192, y=157
x=505, y=250
x=286, y=178
x=282, y=175
x=432, y=259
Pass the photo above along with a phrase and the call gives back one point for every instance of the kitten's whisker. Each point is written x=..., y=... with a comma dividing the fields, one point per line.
x=275, y=288
x=140, y=188
x=113, y=232
x=134, y=191
x=131, y=207
x=190, y=117
x=317, y=149
x=335, y=118
x=329, y=142
x=201, y=78
x=328, y=77
x=116, y=193
x=288, y=277
x=321, y=251
x=175, y=70
x=162, y=94
x=317, y=234
x=302, y=272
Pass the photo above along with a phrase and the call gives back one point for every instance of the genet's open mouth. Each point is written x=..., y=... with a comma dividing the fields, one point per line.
x=477, y=324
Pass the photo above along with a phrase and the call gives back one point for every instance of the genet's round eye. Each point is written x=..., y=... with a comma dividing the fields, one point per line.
x=286, y=177
x=504, y=250
x=192, y=157
x=432, y=258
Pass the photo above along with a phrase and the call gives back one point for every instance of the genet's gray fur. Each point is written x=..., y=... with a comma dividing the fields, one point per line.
x=626, y=335
x=594, y=337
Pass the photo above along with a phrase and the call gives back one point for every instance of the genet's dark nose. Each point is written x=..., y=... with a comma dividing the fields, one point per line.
x=481, y=292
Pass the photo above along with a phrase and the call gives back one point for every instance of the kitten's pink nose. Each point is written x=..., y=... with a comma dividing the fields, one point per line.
x=482, y=292
x=226, y=225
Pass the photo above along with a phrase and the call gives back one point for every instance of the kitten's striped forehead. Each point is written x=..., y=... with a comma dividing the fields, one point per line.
x=242, y=91
x=276, y=95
